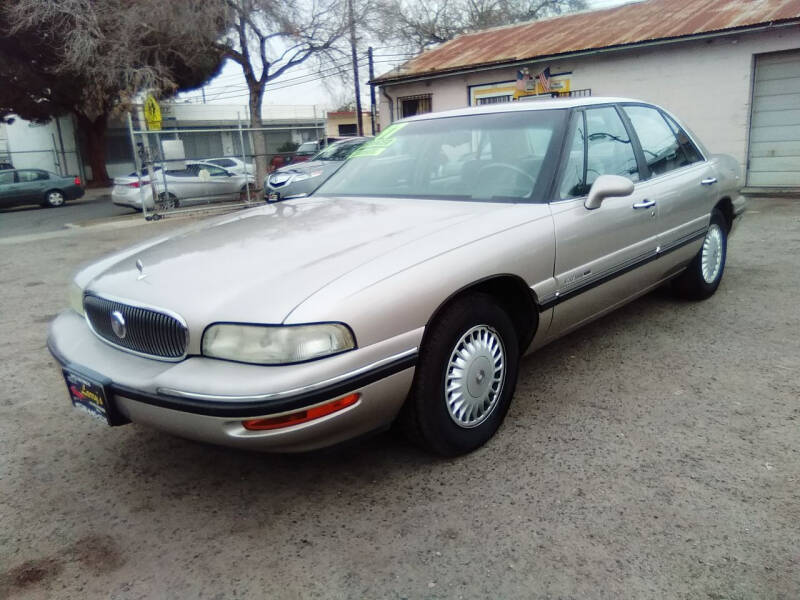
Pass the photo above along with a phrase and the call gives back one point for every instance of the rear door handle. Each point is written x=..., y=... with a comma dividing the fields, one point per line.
x=644, y=204
x=709, y=181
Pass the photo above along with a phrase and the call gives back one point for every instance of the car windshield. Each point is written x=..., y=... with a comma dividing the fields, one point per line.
x=490, y=156
x=307, y=147
x=339, y=150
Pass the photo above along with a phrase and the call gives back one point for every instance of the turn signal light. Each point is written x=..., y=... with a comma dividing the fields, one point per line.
x=302, y=416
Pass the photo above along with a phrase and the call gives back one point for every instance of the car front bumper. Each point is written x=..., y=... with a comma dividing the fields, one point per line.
x=171, y=396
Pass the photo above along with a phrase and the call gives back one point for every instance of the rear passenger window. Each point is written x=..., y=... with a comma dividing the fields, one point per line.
x=598, y=145
x=26, y=176
x=662, y=152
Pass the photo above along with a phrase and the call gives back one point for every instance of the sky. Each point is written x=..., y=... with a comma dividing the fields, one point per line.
x=303, y=86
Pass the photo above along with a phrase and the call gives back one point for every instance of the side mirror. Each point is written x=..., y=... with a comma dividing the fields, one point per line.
x=607, y=186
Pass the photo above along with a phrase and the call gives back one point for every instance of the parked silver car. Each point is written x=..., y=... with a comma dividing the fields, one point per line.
x=232, y=164
x=302, y=178
x=408, y=286
x=197, y=182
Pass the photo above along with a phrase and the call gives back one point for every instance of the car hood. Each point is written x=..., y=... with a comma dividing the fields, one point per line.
x=256, y=266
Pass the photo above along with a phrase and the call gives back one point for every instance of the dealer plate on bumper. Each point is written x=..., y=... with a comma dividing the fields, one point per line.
x=91, y=395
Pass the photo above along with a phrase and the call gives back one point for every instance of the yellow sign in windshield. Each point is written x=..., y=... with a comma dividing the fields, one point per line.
x=379, y=145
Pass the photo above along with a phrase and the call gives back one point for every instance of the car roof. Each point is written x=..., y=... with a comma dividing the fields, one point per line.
x=549, y=104
x=351, y=140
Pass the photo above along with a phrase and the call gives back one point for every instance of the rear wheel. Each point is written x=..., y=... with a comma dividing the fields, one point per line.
x=168, y=201
x=243, y=192
x=703, y=275
x=465, y=377
x=54, y=198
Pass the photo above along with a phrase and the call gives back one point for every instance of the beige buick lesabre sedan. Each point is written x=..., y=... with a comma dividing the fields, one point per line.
x=408, y=286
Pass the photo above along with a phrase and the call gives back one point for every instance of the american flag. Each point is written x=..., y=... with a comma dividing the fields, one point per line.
x=544, y=79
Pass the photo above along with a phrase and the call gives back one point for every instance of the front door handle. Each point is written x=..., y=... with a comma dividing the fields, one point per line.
x=644, y=204
x=709, y=181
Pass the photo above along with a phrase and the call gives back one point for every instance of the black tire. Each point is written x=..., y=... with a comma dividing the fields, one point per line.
x=426, y=419
x=692, y=283
x=168, y=201
x=54, y=198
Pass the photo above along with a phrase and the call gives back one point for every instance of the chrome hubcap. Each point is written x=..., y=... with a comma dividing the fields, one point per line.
x=474, y=378
x=711, y=257
x=56, y=199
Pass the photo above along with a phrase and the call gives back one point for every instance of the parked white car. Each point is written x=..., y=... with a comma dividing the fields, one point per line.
x=234, y=165
x=196, y=183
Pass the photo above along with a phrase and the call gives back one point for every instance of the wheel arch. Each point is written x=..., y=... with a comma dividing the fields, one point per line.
x=512, y=294
x=725, y=206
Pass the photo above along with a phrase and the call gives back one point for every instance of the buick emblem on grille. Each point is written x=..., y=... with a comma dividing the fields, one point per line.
x=118, y=324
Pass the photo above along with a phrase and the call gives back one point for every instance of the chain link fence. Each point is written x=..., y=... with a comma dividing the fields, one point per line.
x=183, y=170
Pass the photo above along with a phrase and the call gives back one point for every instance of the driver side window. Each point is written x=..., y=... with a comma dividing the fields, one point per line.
x=598, y=145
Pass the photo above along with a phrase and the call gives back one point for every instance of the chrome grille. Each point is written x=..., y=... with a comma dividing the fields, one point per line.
x=146, y=331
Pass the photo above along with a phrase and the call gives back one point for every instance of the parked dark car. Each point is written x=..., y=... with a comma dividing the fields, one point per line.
x=302, y=179
x=36, y=186
x=4, y=165
x=307, y=150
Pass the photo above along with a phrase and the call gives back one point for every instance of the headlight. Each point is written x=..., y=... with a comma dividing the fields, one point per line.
x=76, y=298
x=275, y=345
x=304, y=176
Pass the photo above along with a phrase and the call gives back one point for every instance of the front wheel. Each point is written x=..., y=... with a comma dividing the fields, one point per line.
x=703, y=275
x=465, y=377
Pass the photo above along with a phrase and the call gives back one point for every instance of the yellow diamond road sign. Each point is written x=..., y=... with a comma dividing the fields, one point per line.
x=152, y=113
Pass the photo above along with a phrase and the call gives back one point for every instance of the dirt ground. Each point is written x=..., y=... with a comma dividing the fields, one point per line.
x=653, y=454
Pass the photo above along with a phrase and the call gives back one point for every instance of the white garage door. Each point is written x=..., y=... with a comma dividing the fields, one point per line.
x=774, y=157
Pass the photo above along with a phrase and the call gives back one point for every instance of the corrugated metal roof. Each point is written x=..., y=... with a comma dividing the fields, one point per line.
x=625, y=25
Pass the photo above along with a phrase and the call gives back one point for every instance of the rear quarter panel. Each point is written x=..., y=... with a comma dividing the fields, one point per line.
x=730, y=180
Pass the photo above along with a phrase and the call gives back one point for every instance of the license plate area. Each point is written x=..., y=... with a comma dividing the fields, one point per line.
x=91, y=393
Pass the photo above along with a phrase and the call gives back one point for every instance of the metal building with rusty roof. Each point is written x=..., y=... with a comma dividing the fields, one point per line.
x=729, y=68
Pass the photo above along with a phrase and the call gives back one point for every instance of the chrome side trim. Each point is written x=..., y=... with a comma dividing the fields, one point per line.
x=169, y=313
x=620, y=269
x=294, y=391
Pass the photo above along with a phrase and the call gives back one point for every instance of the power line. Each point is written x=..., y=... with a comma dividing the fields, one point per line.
x=279, y=83
x=241, y=91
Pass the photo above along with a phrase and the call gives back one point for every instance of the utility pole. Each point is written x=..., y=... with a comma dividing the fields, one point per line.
x=203, y=91
x=355, y=67
x=371, y=90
